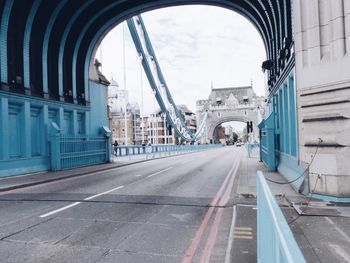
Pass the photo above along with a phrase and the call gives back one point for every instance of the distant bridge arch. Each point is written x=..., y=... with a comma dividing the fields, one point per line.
x=229, y=104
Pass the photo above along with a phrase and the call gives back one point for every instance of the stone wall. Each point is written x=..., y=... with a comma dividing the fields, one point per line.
x=322, y=46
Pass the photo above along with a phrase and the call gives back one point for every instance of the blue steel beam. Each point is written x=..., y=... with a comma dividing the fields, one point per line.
x=159, y=71
x=78, y=45
x=261, y=26
x=5, y=18
x=48, y=31
x=148, y=71
x=263, y=14
x=26, y=43
x=63, y=43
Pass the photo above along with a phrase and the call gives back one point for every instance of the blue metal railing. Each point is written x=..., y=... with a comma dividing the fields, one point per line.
x=267, y=143
x=251, y=147
x=275, y=240
x=139, y=149
x=69, y=152
x=78, y=151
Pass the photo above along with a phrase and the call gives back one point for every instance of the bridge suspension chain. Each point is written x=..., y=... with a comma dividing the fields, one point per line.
x=157, y=81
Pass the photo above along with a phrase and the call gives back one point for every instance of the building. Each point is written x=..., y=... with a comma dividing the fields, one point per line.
x=124, y=117
x=189, y=117
x=157, y=130
x=133, y=126
x=227, y=105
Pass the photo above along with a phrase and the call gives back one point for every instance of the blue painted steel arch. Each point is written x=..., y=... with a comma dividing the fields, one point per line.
x=48, y=30
x=26, y=43
x=3, y=39
x=63, y=44
x=117, y=19
x=271, y=18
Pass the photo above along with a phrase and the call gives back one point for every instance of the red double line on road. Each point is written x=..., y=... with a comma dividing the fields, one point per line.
x=221, y=198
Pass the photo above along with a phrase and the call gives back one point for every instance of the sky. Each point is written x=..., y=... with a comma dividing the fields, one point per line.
x=196, y=47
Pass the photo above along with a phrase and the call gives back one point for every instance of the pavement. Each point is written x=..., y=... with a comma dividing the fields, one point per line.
x=320, y=228
x=176, y=209
x=195, y=207
x=20, y=181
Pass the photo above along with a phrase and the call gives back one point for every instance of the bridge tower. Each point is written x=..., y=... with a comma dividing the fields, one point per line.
x=229, y=104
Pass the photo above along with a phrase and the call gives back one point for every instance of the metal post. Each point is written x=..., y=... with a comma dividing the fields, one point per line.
x=164, y=128
x=125, y=111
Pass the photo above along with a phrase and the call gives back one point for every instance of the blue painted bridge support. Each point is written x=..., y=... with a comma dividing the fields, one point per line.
x=279, y=133
x=26, y=130
x=47, y=50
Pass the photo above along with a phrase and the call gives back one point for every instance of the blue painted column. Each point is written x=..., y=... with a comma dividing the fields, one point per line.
x=4, y=129
x=75, y=122
x=280, y=120
x=286, y=110
x=87, y=123
x=55, y=148
x=46, y=129
x=60, y=117
x=293, y=121
x=26, y=141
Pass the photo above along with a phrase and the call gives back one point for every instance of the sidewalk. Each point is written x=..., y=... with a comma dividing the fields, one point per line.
x=321, y=229
x=19, y=181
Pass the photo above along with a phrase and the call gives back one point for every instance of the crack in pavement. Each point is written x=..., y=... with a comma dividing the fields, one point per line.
x=24, y=229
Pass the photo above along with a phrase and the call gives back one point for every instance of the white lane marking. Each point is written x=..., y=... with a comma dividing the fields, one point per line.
x=77, y=203
x=138, y=175
x=107, y=192
x=60, y=209
x=162, y=171
x=231, y=236
x=340, y=252
x=346, y=237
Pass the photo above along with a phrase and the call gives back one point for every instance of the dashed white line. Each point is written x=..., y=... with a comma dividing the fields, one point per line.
x=104, y=193
x=60, y=209
x=341, y=232
x=230, y=238
x=77, y=203
x=162, y=171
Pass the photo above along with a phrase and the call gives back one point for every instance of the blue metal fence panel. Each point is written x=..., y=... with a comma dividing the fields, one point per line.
x=275, y=240
x=139, y=149
x=78, y=151
x=267, y=143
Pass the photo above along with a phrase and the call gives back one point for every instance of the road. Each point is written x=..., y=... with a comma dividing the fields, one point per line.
x=177, y=209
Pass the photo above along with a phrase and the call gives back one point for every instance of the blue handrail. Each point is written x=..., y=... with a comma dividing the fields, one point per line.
x=161, y=148
x=275, y=239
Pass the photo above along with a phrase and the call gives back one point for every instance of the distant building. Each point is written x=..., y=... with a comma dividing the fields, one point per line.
x=130, y=132
x=189, y=117
x=157, y=130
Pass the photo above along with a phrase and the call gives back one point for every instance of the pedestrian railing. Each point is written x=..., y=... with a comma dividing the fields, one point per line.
x=120, y=151
x=252, y=149
x=275, y=240
x=77, y=151
x=267, y=143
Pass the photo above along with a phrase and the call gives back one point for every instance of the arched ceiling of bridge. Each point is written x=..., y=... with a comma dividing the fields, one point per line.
x=59, y=37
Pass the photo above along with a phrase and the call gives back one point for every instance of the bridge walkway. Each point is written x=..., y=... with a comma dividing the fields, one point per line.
x=321, y=231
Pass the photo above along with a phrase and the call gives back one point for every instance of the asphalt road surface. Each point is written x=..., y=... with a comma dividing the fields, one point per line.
x=177, y=209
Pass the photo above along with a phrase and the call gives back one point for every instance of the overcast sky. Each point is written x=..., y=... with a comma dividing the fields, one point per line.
x=195, y=45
